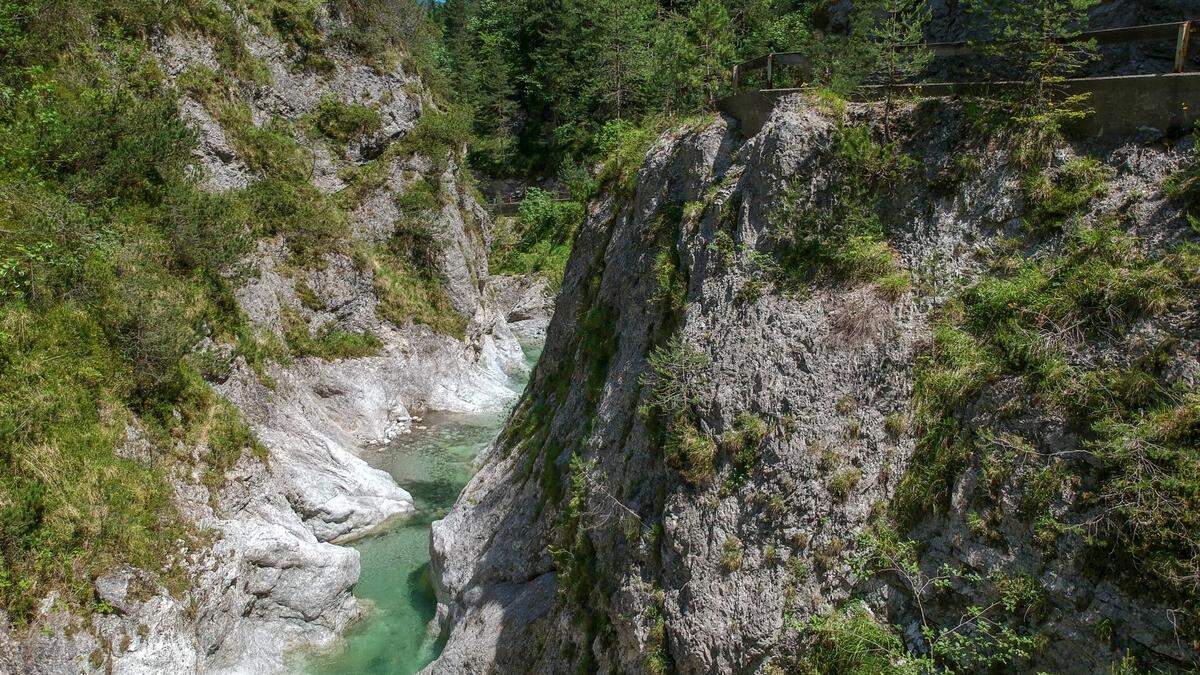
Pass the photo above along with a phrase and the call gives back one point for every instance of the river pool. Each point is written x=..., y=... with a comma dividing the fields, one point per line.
x=433, y=463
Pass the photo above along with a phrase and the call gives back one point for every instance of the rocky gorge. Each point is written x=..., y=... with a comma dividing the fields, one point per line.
x=905, y=387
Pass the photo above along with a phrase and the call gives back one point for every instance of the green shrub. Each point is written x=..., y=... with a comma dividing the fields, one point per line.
x=658, y=660
x=842, y=236
x=295, y=23
x=329, y=342
x=1152, y=465
x=153, y=319
x=747, y=433
x=1184, y=185
x=207, y=232
x=1141, y=438
x=345, y=122
x=731, y=555
x=410, y=293
x=852, y=641
x=438, y=133
x=677, y=373
x=690, y=452
x=540, y=241
x=573, y=553
x=271, y=149
x=311, y=225
x=623, y=146
x=1053, y=196
x=842, y=485
x=70, y=508
x=742, y=444
x=419, y=200
x=671, y=291
x=408, y=277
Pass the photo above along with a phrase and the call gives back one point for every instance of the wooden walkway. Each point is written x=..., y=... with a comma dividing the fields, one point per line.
x=1122, y=103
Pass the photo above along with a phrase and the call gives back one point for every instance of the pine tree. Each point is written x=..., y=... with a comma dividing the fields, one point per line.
x=459, y=48
x=620, y=46
x=709, y=30
x=839, y=62
x=673, y=76
x=898, y=35
x=1039, y=40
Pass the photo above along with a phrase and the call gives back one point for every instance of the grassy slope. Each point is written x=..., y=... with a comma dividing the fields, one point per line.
x=110, y=270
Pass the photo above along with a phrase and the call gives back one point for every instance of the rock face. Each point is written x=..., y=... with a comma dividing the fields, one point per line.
x=585, y=542
x=272, y=577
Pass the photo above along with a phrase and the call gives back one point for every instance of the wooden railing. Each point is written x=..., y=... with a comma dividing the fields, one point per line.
x=511, y=207
x=1180, y=31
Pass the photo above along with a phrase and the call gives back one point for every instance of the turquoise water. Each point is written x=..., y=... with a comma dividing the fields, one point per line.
x=433, y=464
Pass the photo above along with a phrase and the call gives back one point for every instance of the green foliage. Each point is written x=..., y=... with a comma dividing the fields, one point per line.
x=344, y=122
x=678, y=80
x=408, y=277
x=271, y=149
x=409, y=282
x=731, y=555
x=899, y=39
x=1054, y=196
x=986, y=645
x=748, y=432
x=623, y=147
x=573, y=553
x=566, y=70
x=658, y=659
x=707, y=50
x=294, y=22
x=1037, y=42
x=69, y=505
x=113, y=265
x=189, y=411
x=852, y=641
x=741, y=444
x=842, y=236
x=419, y=200
x=307, y=219
x=677, y=374
x=1007, y=325
x=671, y=288
x=1184, y=185
x=1139, y=438
x=329, y=343
x=385, y=32
x=690, y=452
x=1152, y=471
x=539, y=242
x=207, y=232
x=994, y=634
x=842, y=485
x=438, y=132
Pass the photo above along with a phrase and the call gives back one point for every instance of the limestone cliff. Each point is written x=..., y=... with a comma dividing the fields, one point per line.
x=735, y=442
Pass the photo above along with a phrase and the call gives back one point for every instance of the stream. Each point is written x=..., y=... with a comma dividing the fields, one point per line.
x=433, y=463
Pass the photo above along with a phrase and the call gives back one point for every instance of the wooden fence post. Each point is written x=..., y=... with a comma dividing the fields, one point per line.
x=770, y=72
x=1181, y=47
